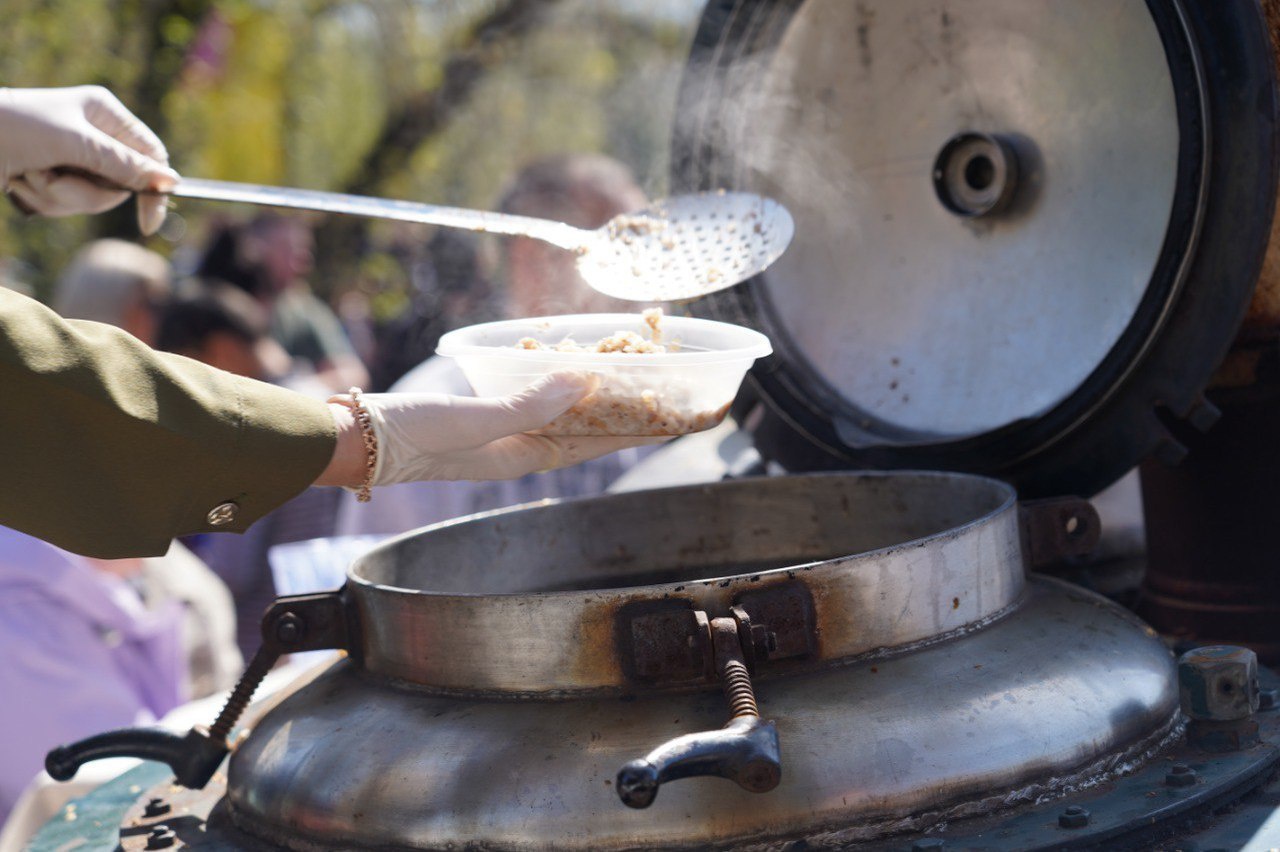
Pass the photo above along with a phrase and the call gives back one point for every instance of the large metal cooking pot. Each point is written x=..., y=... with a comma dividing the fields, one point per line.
x=512, y=675
x=504, y=668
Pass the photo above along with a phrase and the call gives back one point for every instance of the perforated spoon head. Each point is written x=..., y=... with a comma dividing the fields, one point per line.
x=687, y=246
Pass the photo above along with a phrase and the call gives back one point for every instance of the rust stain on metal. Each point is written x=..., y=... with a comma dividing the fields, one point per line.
x=596, y=651
x=786, y=611
x=662, y=641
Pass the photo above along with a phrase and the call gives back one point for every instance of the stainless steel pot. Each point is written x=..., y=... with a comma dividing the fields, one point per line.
x=504, y=668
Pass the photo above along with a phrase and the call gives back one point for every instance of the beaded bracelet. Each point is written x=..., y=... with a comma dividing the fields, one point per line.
x=361, y=414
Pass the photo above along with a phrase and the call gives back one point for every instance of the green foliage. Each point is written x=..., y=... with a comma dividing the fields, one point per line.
x=300, y=92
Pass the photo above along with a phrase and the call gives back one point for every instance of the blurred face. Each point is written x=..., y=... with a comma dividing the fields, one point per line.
x=543, y=280
x=286, y=250
x=139, y=319
x=126, y=568
x=262, y=359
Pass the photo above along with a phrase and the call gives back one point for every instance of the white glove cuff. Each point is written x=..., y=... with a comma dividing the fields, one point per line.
x=378, y=425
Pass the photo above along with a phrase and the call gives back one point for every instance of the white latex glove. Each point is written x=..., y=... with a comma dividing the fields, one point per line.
x=437, y=436
x=46, y=131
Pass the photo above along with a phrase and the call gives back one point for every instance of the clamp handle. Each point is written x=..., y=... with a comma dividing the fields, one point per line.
x=745, y=750
x=193, y=758
x=293, y=623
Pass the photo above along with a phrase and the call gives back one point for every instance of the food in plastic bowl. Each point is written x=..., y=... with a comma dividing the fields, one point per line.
x=659, y=375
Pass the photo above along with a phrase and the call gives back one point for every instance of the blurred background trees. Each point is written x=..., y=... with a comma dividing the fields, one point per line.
x=434, y=101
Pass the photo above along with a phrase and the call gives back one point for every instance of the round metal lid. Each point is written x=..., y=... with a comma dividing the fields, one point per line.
x=1022, y=227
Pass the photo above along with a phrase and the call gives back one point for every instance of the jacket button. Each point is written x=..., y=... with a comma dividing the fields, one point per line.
x=222, y=514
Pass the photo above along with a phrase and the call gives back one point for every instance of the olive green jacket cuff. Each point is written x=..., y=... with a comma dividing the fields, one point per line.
x=112, y=449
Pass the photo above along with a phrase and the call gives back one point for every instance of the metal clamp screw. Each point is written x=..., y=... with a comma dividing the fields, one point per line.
x=289, y=628
x=757, y=640
x=156, y=807
x=1073, y=817
x=1180, y=775
x=161, y=837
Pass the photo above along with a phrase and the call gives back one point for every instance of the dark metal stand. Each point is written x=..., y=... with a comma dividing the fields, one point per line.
x=1213, y=531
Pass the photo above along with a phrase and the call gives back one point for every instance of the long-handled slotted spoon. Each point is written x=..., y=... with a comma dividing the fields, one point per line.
x=677, y=248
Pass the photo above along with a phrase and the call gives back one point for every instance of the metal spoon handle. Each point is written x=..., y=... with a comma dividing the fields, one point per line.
x=556, y=233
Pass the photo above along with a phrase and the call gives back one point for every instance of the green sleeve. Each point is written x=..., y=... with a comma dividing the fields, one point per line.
x=112, y=449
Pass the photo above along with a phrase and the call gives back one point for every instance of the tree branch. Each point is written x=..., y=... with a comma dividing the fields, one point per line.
x=419, y=118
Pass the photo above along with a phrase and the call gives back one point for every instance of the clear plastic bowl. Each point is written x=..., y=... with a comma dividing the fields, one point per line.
x=660, y=393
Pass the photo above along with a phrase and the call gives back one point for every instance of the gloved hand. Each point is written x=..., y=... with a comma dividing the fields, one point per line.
x=435, y=436
x=46, y=135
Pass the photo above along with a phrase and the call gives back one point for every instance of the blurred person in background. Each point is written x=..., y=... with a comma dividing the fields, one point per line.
x=116, y=282
x=583, y=190
x=125, y=285
x=533, y=279
x=16, y=275
x=450, y=288
x=224, y=327
x=270, y=257
x=96, y=644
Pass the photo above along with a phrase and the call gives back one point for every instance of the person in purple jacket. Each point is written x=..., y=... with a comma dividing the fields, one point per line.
x=83, y=654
